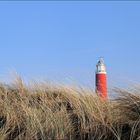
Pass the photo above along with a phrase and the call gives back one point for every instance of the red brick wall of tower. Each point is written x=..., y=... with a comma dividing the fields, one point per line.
x=101, y=84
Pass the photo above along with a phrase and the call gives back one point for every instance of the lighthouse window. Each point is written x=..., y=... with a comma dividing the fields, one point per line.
x=102, y=68
x=99, y=69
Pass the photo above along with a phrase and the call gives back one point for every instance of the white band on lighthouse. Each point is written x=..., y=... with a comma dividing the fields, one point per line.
x=100, y=72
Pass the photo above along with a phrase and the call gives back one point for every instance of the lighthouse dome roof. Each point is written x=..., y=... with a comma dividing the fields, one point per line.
x=100, y=62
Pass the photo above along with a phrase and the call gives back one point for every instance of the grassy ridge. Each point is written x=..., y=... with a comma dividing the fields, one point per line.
x=43, y=112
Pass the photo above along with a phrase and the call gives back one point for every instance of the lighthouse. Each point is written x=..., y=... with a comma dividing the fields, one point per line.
x=101, y=82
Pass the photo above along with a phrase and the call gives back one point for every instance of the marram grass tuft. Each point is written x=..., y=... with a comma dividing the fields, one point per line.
x=46, y=112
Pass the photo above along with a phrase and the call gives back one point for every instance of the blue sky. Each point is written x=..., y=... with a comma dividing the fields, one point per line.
x=62, y=41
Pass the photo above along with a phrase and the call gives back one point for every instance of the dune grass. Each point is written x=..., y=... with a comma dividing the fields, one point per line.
x=46, y=112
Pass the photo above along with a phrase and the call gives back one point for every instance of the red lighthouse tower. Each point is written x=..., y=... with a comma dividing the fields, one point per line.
x=101, y=83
